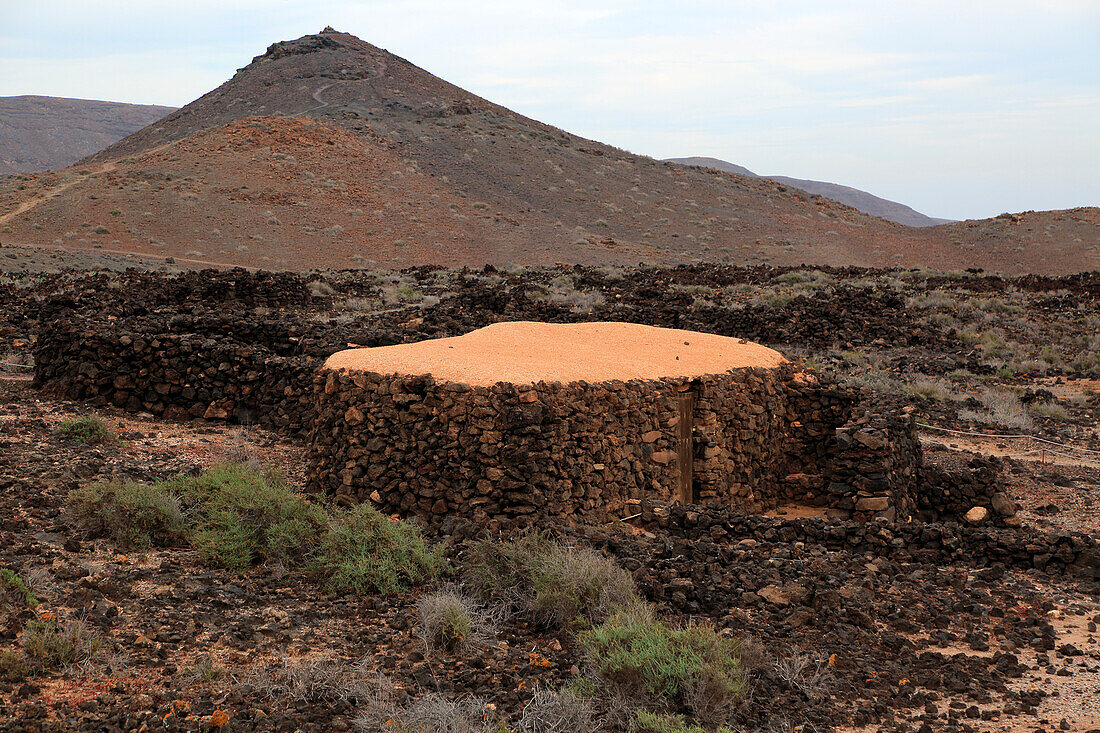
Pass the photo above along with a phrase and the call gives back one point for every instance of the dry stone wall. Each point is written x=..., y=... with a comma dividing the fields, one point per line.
x=511, y=454
x=759, y=438
x=177, y=375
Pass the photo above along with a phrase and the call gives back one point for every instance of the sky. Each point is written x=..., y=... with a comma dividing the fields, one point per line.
x=958, y=109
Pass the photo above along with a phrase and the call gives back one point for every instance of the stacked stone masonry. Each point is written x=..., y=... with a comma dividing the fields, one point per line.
x=513, y=454
x=586, y=451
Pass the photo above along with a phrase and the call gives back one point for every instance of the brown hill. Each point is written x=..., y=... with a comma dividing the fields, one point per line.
x=396, y=166
x=42, y=133
x=868, y=203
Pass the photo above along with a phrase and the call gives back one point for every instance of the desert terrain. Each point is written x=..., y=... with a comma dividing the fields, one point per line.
x=935, y=623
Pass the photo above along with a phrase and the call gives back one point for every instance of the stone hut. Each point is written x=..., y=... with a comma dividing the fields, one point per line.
x=522, y=420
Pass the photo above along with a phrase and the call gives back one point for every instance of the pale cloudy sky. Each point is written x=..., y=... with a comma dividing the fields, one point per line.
x=961, y=109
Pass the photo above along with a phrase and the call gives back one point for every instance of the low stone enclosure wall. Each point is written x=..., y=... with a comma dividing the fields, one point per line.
x=710, y=532
x=516, y=453
x=760, y=437
x=507, y=454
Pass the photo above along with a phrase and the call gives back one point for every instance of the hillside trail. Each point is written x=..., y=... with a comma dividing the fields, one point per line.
x=79, y=177
x=55, y=191
x=130, y=253
x=322, y=104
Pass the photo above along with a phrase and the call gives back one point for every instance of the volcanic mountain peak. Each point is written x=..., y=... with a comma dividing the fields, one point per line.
x=327, y=151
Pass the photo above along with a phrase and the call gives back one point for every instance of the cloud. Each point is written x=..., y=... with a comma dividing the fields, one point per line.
x=950, y=83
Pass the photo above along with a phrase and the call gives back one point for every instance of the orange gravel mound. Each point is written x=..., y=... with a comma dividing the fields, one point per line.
x=526, y=352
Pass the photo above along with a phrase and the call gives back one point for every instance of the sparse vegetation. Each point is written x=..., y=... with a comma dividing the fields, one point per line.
x=235, y=516
x=1049, y=410
x=556, y=584
x=931, y=389
x=54, y=643
x=664, y=669
x=325, y=679
x=433, y=713
x=90, y=429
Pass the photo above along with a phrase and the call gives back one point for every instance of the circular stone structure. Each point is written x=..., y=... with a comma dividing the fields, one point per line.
x=522, y=420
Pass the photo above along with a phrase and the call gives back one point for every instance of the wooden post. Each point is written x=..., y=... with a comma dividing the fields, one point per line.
x=686, y=449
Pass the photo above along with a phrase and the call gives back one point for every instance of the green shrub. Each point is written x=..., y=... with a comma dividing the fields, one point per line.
x=502, y=571
x=56, y=643
x=244, y=516
x=1051, y=410
x=90, y=430
x=14, y=667
x=135, y=516
x=13, y=591
x=647, y=722
x=557, y=585
x=643, y=659
x=235, y=516
x=364, y=551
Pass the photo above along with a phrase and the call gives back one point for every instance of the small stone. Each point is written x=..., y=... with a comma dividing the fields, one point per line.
x=1002, y=505
x=775, y=595
x=873, y=503
x=353, y=416
x=977, y=515
x=663, y=457
x=213, y=412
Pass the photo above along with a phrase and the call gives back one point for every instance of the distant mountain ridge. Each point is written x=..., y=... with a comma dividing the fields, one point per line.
x=44, y=133
x=329, y=152
x=857, y=199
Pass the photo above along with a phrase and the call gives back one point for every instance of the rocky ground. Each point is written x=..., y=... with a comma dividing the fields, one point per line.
x=834, y=636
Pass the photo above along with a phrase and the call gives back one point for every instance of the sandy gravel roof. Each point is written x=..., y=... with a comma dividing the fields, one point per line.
x=525, y=352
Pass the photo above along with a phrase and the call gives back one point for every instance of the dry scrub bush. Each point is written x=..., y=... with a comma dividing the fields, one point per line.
x=14, y=667
x=1002, y=407
x=432, y=714
x=802, y=673
x=54, y=643
x=322, y=680
x=931, y=388
x=556, y=584
x=133, y=515
x=451, y=620
x=558, y=711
